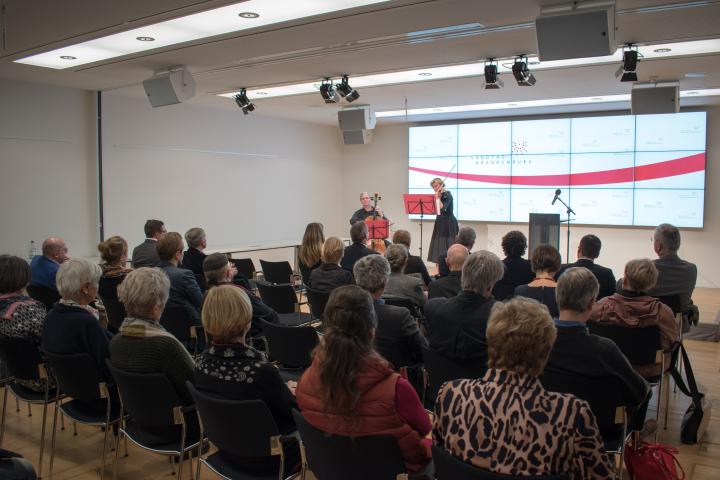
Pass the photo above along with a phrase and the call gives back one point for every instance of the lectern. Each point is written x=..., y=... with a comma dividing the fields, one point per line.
x=544, y=229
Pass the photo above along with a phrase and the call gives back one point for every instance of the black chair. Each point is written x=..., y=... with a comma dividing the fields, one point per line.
x=244, y=266
x=151, y=403
x=447, y=467
x=405, y=302
x=331, y=457
x=180, y=322
x=78, y=378
x=115, y=312
x=283, y=300
x=239, y=429
x=672, y=301
x=23, y=361
x=276, y=272
x=441, y=369
x=317, y=300
x=45, y=295
x=290, y=347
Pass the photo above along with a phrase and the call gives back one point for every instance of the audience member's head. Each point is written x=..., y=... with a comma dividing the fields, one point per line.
x=402, y=237
x=456, y=256
x=371, y=273
x=397, y=256
x=77, y=280
x=666, y=240
x=217, y=269
x=196, y=238
x=114, y=250
x=144, y=293
x=589, y=247
x=520, y=336
x=358, y=232
x=332, y=250
x=466, y=237
x=226, y=314
x=55, y=249
x=154, y=229
x=576, y=290
x=640, y=275
x=545, y=259
x=348, y=342
x=170, y=247
x=312, y=243
x=514, y=244
x=481, y=271
x=14, y=274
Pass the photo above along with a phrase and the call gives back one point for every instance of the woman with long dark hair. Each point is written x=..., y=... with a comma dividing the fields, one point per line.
x=446, y=225
x=310, y=252
x=351, y=390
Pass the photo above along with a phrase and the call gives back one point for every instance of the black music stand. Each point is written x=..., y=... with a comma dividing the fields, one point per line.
x=420, y=203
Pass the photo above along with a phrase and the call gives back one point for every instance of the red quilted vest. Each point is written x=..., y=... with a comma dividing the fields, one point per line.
x=375, y=411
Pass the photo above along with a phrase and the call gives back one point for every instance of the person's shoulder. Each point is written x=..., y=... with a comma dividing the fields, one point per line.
x=437, y=304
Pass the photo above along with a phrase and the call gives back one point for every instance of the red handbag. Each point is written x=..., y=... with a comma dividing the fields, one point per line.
x=653, y=461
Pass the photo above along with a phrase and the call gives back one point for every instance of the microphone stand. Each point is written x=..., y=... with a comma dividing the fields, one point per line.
x=567, y=245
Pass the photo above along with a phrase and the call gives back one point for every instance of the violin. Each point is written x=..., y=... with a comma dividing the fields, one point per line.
x=377, y=244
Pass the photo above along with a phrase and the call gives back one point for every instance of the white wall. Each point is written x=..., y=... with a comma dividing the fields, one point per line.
x=382, y=167
x=48, y=178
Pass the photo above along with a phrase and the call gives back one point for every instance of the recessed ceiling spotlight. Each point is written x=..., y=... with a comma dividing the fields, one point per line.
x=696, y=75
x=68, y=57
x=596, y=99
x=145, y=39
x=260, y=93
x=692, y=92
x=425, y=74
x=512, y=104
x=248, y=15
x=662, y=50
x=437, y=109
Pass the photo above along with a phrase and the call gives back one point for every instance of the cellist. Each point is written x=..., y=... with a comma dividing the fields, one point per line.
x=367, y=210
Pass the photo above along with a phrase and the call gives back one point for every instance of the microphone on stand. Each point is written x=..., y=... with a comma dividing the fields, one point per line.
x=557, y=194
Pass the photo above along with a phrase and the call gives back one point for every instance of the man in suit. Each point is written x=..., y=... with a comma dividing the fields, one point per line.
x=397, y=336
x=466, y=237
x=145, y=254
x=184, y=289
x=456, y=326
x=44, y=267
x=588, y=250
x=195, y=256
x=675, y=275
x=358, y=249
x=449, y=286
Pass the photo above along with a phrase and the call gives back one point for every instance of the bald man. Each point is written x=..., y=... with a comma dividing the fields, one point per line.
x=449, y=285
x=44, y=267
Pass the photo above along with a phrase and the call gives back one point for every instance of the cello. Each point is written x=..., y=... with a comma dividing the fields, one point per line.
x=376, y=226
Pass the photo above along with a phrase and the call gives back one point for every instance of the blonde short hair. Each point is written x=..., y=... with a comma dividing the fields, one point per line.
x=520, y=336
x=226, y=313
x=437, y=180
x=142, y=290
x=73, y=274
x=641, y=274
x=332, y=250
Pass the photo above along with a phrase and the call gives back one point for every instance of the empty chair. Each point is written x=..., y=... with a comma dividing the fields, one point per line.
x=241, y=429
x=45, y=295
x=180, y=322
x=441, y=369
x=317, y=301
x=283, y=300
x=115, y=312
x=290, y=346
x=244, y=266
x=447, y=467
x=276, y=272
x=331, y=457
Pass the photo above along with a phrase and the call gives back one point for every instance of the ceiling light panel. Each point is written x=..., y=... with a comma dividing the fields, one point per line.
x=210, y=23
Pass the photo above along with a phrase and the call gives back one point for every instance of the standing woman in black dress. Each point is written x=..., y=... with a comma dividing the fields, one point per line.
x=446, y=225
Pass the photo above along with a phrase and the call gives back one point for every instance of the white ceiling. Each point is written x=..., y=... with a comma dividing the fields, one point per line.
x=366, y=40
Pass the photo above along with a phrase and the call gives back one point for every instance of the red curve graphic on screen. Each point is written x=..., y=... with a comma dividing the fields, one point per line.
x=670, y=168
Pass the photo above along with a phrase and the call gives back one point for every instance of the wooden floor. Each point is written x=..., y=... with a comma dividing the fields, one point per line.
x=78, y=457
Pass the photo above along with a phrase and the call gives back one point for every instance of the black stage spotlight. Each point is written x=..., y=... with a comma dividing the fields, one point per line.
x=491, y=75
x=328, y=93
x=627, y=71
x=244, y=102
x=522, y=74
x=347, y=92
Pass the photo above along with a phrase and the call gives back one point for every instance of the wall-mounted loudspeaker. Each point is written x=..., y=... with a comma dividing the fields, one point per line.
x=357, y=137
x=174, y=85
x=649, y=98
x=576, y=30
x=361, y=117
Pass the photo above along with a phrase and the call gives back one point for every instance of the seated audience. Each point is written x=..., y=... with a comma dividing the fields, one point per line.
x=194, y=256
x=466, y=237
x=397, y=336
x=114, y=253
x=518, y=271
x=449, y=285
x=545, y=263
x=358, y=249
x=576, y=352
x=73, y=326
x=309, y=256
x=14, y=467
x=145, y=254
x=589, y=250
x=231, y=369
x=143, y=345
x=675, y=275
x=44, y=267
x=415, y=264
x=351, y=390
x=329, y=275
x=633, y=307
x=220, y=271
x=506, y=422
x=184, y=289
x=20, y=315
x=456, y=326
x=399, y=284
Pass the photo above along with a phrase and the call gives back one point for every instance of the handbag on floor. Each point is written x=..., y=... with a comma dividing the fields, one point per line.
x=653, y=461
x=697, y=416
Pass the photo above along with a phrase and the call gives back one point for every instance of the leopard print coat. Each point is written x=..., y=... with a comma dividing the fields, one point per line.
x=509, y=424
